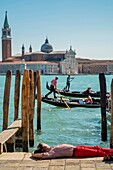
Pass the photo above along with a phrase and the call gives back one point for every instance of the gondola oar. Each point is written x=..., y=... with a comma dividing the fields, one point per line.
x=63, y=100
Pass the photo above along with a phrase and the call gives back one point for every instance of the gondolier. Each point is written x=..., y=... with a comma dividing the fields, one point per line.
x=53, y=87
x=69, y=79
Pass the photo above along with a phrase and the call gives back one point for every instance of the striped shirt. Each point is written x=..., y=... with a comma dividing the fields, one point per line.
x=63, y=150
x=54, y=83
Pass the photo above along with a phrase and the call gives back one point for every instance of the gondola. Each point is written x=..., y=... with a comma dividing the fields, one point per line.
x=77, y=94
x=74, y=93
x=71, y=102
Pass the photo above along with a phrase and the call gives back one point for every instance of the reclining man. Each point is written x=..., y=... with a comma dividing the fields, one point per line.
x=45, y=151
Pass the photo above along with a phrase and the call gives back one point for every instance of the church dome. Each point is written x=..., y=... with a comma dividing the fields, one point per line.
x=46, y=47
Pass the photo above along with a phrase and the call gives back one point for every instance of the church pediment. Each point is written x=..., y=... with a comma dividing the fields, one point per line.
x=70, y=52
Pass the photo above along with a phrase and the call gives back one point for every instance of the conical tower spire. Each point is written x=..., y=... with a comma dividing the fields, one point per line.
x=6, y=25
x=6, y=40
x=30, y=49
x=46, y=40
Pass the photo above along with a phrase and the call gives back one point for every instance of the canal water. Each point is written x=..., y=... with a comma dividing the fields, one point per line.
x=77, y=126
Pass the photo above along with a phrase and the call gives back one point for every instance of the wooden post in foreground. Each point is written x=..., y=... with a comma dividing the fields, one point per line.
x=38, y=100
x=35, y=85
x=111, y=131
x=103, y=106
x=25, y=110
x=6, y=99
x=17, y=94
x=31, y=108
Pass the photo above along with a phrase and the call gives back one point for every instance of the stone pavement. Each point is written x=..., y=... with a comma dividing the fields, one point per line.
x=24, y=161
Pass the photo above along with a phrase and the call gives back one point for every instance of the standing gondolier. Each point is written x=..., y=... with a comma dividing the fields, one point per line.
x=53, y=87
x=68, y=82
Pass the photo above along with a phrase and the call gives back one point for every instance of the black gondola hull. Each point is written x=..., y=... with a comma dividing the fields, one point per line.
x=78, y=94
x=70, y=103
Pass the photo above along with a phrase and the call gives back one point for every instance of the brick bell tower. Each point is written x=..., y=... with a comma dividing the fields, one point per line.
x=6, y=40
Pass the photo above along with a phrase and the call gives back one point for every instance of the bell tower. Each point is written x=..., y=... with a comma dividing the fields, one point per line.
x=6, y=40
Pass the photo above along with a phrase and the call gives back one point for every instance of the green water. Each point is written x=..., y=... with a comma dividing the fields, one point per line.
x=77, y=126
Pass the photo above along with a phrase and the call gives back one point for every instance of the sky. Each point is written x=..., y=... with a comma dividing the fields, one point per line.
x=86, y=25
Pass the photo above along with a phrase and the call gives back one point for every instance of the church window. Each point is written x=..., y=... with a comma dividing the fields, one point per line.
x=9, y=33
x=4, y=33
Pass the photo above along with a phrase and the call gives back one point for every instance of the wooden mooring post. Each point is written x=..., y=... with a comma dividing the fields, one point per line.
x=111, y=131
x=17, y=94
x=103, y=106
x=35, y=85
x=31, y=108
x=6, y=99
x=25, y=109
x=38, y=100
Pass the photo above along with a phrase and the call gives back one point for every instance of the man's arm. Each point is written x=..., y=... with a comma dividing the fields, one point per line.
x=37, y=155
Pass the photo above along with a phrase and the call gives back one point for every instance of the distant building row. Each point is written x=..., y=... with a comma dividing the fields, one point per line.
x=95, y=66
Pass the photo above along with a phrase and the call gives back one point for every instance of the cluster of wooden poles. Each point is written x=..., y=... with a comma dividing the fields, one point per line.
x=30, y=85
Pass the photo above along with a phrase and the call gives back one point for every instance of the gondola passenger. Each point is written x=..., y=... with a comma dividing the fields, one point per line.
x=88, y=91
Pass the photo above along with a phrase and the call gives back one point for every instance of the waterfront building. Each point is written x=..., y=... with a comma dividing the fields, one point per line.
x=110, y=68
x=43, y=66
x=95, y=67
x=69, y=65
